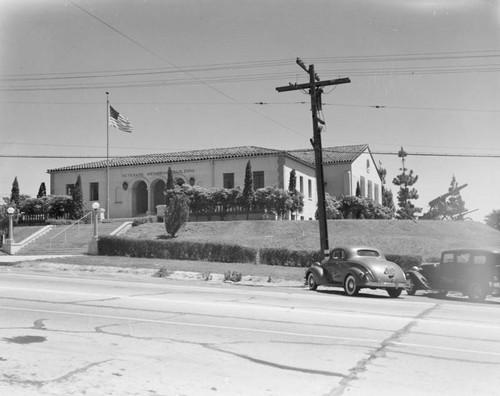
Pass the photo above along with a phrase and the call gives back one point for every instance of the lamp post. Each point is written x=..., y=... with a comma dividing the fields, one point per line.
x=95, y=207
x=10, y=212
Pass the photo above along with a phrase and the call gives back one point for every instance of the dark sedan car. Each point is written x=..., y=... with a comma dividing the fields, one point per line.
x=354, y=268
x=473, y=272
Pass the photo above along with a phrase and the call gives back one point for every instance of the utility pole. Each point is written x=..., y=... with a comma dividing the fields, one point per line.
x=315, y=90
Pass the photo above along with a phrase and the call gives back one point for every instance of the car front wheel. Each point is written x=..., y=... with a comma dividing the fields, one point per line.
x=311, y=282
x=350, y=285
x=395, y=293
x=477, y=292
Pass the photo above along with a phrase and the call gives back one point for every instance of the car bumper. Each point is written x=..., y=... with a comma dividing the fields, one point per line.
x=387, y=285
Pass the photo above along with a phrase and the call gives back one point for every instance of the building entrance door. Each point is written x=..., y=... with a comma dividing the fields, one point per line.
x=140, y=199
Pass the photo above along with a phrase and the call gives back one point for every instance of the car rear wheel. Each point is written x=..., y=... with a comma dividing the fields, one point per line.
x=477, y=292
x=350, y=285
x=311, y=282
x=395, y=293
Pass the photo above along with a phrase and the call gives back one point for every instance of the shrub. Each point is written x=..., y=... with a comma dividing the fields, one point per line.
x=162, y=273
x=289, y=258
x=406, y=262
x=232, y=276
x=176, y=213
x=143, y=220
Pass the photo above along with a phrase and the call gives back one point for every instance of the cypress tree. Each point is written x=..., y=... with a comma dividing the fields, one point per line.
x=14, y=194
x=248, y=191
x=77, y=196
x=42, y=192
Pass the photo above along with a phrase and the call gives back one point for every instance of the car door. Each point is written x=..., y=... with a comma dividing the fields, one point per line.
x=334, y=266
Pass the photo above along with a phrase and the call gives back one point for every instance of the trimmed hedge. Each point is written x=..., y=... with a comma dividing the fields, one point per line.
x=176, y=250
x=198, y=251
x=289, y=258
x=406, y=262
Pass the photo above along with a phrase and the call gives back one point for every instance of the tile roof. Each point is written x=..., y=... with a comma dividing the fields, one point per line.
x=332, y=155
x=342, y=154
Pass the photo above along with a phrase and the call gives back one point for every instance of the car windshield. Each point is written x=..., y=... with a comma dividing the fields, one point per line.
x=368, y=253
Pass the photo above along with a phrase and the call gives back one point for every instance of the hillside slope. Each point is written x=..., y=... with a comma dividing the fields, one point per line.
x=424, y=238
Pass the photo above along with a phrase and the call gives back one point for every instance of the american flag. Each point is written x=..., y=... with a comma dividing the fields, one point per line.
x=119, y=121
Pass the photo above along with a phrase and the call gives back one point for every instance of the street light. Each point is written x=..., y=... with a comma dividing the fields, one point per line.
x=10, y=212
x=95, y=207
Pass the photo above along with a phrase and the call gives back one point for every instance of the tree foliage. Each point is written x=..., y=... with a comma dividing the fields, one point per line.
x=77, y=195
x=247, y=196
x=406, y=193
x=387, y=196
x=297, y=204
x=42, y=191
x=177, y=212
x=493, y=219
x=14, y=193
x=355, y=208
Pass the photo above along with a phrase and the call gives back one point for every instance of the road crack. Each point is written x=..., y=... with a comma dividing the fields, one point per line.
x=380, y=352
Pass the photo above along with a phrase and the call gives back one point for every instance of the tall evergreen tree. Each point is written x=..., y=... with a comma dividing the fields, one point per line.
x=292, y=183
x=169, y=187
x=297, y=203
x=77, y=195
x=42, y=191
x=14, y=193
x=406, y=193
x=248, y=191
x=387, y=197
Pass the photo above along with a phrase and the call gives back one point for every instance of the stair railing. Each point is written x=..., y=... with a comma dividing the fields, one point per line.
x=76, y=224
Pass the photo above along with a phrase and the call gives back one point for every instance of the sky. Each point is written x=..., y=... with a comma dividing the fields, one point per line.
x=203, y=74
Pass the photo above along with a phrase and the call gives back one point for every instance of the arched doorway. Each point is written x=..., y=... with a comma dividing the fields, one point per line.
x=158, y=198
x=140, y=199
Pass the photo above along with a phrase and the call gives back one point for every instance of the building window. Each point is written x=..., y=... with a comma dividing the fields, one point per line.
x=309, y=188
x=69, y=189
x=301, y=184
x=370, y=189
x=377, y=196
x=258, y=180
x=191, y=181
x=94, y=191
x=228, y=181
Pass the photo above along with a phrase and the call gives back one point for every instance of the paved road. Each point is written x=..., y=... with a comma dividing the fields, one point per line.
x=74, y=334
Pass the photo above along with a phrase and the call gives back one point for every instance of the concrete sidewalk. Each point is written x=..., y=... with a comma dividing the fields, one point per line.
x=10, y=259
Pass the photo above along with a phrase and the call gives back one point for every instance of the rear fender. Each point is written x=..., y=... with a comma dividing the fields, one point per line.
x=318, y=273
x=418, y=279
x=358, y=274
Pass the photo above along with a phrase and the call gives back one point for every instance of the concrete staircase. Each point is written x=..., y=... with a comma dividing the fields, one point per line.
x=75, y=240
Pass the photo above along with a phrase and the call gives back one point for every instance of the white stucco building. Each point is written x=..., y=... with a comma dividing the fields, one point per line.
x=137, y=183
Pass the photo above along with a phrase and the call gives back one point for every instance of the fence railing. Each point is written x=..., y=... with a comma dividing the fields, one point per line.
x=70, y=227
x=40, y=218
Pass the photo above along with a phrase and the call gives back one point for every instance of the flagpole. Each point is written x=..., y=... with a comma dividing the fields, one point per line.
x=107, y=155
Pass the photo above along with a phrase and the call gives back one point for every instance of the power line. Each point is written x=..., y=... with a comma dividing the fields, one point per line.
x=181, y=70
x=186, y=155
